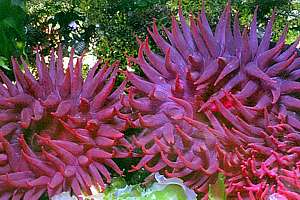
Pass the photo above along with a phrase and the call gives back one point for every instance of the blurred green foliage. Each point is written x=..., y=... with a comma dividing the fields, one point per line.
x=12, y=20
x=57, y=22
x=108, y=28
x=117, y=22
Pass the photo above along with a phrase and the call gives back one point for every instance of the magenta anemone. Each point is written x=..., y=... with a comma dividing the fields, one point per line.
x=59, y=132
x=221, y=101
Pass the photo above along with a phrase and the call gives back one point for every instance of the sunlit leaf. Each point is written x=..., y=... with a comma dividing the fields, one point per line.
x=217, y=190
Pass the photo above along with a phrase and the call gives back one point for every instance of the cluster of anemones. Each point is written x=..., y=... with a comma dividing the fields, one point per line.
x=221, y=101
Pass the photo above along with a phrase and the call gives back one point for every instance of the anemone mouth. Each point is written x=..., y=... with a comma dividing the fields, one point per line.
x=41, y=128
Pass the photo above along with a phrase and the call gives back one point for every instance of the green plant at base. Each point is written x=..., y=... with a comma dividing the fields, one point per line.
x=162, y=189
x=171, y=192
x=217, y=191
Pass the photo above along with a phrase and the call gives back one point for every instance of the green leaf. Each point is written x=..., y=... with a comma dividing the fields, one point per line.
x=12, y=19
x=4, y=63
x=217, y=190
x=163, y=189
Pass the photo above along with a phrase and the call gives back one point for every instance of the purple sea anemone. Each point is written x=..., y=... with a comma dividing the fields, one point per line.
x=221, y=101
x=59, y=132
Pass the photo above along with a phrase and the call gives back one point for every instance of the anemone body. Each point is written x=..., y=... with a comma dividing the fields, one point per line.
x=221, y=101
x=59, y=132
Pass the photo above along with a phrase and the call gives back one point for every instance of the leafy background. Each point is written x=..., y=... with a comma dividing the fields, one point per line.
x=119, y=20
x=108, y=28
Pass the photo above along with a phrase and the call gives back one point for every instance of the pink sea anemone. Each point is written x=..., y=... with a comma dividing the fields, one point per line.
x=59, y=132
x=221, y=101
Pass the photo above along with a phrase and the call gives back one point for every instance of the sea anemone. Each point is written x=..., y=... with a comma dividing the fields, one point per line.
x=59, y=132
x=221, y=101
